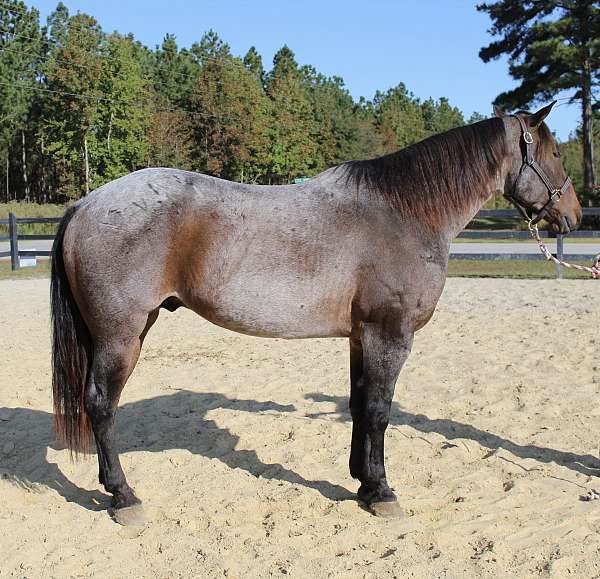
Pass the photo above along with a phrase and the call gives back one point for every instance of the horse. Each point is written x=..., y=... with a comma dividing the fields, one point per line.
x=359, y=251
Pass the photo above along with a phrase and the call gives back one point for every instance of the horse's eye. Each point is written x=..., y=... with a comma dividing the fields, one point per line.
x=557, y=154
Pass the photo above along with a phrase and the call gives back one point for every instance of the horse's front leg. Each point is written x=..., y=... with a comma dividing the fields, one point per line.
x=377, y=354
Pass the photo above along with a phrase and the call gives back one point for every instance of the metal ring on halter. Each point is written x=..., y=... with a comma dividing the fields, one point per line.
x=527, y=137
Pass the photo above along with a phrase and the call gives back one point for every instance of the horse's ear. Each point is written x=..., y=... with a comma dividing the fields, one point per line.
x=536, y=119
x=498, y=112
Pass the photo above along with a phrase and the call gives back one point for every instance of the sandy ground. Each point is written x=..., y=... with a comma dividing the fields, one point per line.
x=239, y=448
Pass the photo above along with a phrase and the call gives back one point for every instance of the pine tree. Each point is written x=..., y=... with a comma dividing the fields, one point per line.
x=399, y=118
x=175, y=73
x=552, y=46
x=571, y=152
x=475, y=118
x=73, y=72
x=174, y=76
x=369, y=141
x=254, y=64
x=440, y=116
x=231, y=115
x=293, y=133
x=337, y=124
x=119, y=140
x=21, y=43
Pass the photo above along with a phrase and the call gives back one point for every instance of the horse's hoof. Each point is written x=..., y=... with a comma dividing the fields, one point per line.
x=387, y=510
x=133, y=516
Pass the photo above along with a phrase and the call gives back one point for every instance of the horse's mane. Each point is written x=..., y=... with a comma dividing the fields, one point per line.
x=438, y=176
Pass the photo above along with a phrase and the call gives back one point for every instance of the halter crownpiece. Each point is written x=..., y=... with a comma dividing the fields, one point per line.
x=528, y=161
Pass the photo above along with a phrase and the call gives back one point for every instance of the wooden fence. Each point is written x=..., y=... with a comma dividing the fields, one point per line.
x=14, y=237
x=15, y=253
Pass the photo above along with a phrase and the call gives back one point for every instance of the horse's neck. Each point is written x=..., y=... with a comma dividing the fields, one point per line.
x=460, y=220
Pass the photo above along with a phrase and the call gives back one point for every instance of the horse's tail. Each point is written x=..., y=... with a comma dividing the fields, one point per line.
x=71, y=352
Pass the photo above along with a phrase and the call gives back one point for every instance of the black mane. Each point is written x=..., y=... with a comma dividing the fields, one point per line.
x=437, y=176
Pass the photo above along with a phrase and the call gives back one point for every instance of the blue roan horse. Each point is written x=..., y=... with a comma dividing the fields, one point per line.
x=359, y=251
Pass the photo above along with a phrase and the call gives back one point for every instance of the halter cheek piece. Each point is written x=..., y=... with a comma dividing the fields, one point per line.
x=528, y=161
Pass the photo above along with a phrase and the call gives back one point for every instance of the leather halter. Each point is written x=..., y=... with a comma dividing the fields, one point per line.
x=528, y=161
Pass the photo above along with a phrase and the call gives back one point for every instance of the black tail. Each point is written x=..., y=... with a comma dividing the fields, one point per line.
x=71, y=352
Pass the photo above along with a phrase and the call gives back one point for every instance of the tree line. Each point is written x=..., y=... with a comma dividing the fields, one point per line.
x=80, y=107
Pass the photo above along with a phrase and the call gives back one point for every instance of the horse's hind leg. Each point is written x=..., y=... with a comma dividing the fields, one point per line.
x=377, y=355
x=114, y=358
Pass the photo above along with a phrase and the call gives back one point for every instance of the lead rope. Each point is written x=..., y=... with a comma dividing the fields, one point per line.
x=593, y=494
x=595, y=270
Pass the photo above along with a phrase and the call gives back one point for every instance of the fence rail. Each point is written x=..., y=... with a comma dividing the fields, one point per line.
x=15, y=253
x=14, y=237
x=512, y=234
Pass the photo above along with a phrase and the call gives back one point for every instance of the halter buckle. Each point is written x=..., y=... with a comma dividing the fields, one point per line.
x=527, y=137
x=556, y=193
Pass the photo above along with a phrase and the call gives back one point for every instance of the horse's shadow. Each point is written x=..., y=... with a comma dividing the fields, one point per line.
x=178, y=421
x=586, y=464
x=175, y=421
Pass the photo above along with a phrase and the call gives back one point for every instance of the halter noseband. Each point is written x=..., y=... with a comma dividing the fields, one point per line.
x=528, y=161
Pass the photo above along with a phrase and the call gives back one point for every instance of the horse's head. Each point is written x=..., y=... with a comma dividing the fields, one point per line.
x=537, y=183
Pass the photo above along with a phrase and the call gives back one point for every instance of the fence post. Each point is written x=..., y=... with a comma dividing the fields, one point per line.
x=14, y=241
x=559, y=255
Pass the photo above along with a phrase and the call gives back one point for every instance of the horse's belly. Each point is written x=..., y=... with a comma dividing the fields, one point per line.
x=275, y=308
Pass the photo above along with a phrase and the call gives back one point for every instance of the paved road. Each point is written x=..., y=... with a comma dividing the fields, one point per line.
x=42, y=245
x=517, y=247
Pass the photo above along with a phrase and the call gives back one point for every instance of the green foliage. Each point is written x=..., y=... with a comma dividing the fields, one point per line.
x=403, y=120
x=399, y=118
x=476, y=118
x=119, y=144
x=90, y=107
x=20, y=43
x=441, y=116
x=253, y=63
x=20, y=64
x=547, y=43
x=293, y=134
x=174, y=73
x=73, y=67
x=337, y=122
x=110, y=129
x=571, y=152
x=22, y=209
x=231, y=120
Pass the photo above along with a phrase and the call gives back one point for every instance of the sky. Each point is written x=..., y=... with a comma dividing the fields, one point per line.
x=431, y=46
